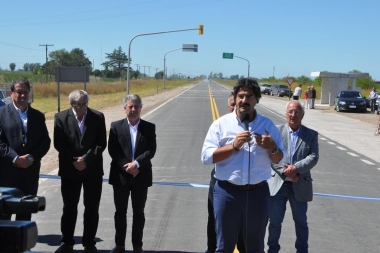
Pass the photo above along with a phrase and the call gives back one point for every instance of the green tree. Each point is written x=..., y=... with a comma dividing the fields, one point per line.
x=12, y=66
x=26, y=66
x=116, y=60
x=303, y=80
x=75, y=58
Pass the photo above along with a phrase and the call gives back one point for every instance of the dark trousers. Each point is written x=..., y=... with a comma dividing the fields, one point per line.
x=211, y=234
x=27, y=185
x=138, y=198
x=237, y=209
x=71, y=189
x=295, y=97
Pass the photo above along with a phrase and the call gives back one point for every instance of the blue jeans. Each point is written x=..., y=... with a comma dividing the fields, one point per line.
x=372, y=104
x=277, y=208
x=236, y=209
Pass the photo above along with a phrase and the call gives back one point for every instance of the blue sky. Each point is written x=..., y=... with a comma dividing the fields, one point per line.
x=280, y=37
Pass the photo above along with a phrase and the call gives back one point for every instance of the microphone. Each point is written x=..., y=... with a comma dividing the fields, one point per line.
x=245, y=119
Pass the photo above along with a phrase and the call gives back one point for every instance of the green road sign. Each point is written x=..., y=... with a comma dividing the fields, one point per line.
x=228, y=55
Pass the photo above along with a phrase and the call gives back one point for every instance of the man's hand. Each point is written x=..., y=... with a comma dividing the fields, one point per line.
x=242, y=138
x=265, y=141
x=23, y=161
x=79, y=164
x=132, y=169
x=291, y=171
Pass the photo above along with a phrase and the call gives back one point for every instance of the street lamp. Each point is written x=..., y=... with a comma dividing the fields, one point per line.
x=246, y=60
x=200, y=31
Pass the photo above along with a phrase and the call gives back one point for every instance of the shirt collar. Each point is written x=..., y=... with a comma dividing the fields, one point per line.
x=135, y=126
x=19, y=111
x=294, y=132
x=76, y=116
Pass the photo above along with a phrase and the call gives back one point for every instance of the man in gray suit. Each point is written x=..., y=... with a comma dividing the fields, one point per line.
x=293, y=182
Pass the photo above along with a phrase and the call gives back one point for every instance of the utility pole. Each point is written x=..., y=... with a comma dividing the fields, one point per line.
x=144, y=70
x=137, y=69
x=46, y=46
x=149, y=70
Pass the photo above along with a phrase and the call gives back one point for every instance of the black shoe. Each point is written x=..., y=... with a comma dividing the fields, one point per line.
x=118, y=249
x=90, y=249
x=65, y=248
x=138, y=250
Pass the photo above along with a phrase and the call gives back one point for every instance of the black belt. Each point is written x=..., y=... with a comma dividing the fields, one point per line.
x=288, y=183
x=245, y=187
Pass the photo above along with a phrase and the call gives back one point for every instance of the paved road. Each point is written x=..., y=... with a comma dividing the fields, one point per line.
x=343, y=216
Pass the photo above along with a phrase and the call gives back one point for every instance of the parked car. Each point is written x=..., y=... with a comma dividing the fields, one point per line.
x=280, y=90
x=350, y=100
x=265, y=88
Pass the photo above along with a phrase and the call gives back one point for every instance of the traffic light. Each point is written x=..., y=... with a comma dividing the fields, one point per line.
x=200, y=29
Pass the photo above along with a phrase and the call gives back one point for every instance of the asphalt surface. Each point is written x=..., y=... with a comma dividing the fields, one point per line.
x=343, y=217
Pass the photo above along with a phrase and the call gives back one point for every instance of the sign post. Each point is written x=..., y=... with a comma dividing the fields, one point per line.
x=290, y=80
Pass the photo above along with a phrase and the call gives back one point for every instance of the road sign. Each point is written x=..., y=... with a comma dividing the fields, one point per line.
x=289, y=80
x=228, y=55
x=189, y=48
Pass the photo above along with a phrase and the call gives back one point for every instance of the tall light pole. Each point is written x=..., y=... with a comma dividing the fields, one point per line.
x=200, y=32
x=165, y=64
x=246, y=60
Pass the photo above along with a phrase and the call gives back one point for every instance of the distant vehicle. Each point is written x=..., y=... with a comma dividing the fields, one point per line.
x=350, y=100
x=280, y=90
x=265, y=88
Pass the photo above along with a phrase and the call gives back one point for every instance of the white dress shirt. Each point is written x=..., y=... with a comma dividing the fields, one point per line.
x=223, y=132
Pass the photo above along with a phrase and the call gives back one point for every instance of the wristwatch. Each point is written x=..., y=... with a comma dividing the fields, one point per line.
x=275, y=151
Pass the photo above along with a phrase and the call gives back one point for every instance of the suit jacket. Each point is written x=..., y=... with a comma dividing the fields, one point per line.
x=120, y=150
x=12, y=142
x=305, y=157
x=70, y=143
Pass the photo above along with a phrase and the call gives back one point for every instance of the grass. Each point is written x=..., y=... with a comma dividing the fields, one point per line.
x=102, y=95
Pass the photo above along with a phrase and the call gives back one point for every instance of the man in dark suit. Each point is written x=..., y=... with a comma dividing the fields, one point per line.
x=80, y=138
x=24, y=140
x=293, y=183
x=131, y=145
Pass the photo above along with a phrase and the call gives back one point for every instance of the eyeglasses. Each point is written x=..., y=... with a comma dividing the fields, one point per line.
x=246, y=96
x=22, y=92
x=133, y=106
x=79, y=105
x=294, y=112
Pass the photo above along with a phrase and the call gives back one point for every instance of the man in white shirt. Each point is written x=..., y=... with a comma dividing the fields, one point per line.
x=297, y=92
x=242, y=145
x=373, y=96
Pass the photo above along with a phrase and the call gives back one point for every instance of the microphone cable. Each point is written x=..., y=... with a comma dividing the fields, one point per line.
x=246, y=204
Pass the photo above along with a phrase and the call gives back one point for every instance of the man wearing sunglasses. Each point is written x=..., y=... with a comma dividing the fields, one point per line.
x=80, y=139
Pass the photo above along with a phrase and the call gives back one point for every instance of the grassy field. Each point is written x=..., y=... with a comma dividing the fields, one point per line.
x=103, y=92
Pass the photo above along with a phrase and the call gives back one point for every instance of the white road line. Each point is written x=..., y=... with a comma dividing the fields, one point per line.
x=367, y=162
x=378, y=168
x=353, y=154
x=330, y=142
x=341, y=148
x=322, y=138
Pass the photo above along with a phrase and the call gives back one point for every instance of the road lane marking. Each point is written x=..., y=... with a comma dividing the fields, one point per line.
x=330, y=142
x=367, y=162
x=341, y=148
x=352, y=154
